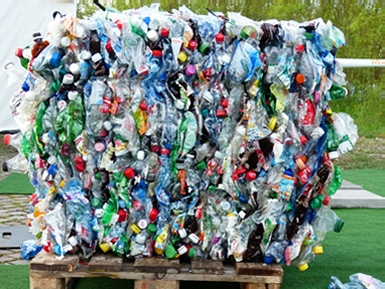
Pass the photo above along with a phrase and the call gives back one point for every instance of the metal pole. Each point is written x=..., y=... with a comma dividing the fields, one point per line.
x=96, y=2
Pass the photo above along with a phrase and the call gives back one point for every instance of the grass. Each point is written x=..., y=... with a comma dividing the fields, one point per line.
x=372, y=180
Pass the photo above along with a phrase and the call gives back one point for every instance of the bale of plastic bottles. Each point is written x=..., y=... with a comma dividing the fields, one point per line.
x=149, y=133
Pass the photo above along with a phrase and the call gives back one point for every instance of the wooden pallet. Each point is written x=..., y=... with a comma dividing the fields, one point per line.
x=155, y=273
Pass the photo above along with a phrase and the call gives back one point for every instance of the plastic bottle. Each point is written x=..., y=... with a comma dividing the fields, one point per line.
x=357, y=281
x=17, y=164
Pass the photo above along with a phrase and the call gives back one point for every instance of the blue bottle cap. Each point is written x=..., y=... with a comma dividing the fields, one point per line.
x=55, y=59
x=289, y=172
x=52, y=169
x=268, y=259
x=147, y=20
x=25, y=86
x=122, y=204
x=242, y=199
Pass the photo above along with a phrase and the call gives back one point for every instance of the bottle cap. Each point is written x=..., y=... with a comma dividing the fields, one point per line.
x=129, y=173
x=251, y=175
x=205, y=112
x=86, y=55
x=182, y=57
x=272, y=123
x=36, y=36
x=300, y=78
x=96, y=203
x=140, y=155
x=194, y=238
x=65, y=41
x=318, y=250
x=140, y=239
x=326, y=201
x=242, y=214
x=157, y=53
x=221, y=113
x=7, y=139
x=19, y=52
x=99, y=147
x=142, y=224
x=107, y=125
x=268, y=259
x=339, y=225
x=204, y=48
x=51, y=160
x=182, y=233
x=152, y=35
x=317, y=202
x=201, y=165
x=226, y=206
x=68, y=79
x=190, y=70
x=303, y=267
x=135, y=228
x=192, y=253
x=74, y=69
x=99, y=212
x=182, y=250
x=105, y=247
x=303, y=139
x=96, y=57
x=170, y=252
x=219, y=38
x=73, y=242
x=55, y=59
x=30, y=95
x=72, y=94
x=153, y=215
x=151, y=229
x=52, y=170
x=5, y=167
x=192, y=45
x=164, y=32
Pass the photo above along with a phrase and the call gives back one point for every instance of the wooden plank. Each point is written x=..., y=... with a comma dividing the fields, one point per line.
x=157, y=265
x=204, y=266
x=48, y=262
x=129, y=273
x=258, y=269
x=47, y=283
x=253, y=286
x=274, y=286
x=159, y=284
x=105, y=263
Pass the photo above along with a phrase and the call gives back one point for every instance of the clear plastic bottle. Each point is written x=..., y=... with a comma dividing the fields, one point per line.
x=17, y=164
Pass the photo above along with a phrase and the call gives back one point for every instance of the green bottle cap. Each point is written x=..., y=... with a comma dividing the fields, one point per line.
x=205, y=112
x=191, y=253
x=289, y=207
x=317, y=202
x=212, y=188
x=151, y=229
x=170, y=252
x=55, y=85
x=204, y=48
x=308, y=35
x=96, y=203
x=201, y=165
x=339, y=225
x=98, y=176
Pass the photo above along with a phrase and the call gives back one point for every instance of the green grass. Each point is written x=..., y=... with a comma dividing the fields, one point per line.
x=372, y=180
x=357, y=249
x=16, y=184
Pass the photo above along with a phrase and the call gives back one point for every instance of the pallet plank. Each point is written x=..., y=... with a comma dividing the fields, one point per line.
x=258, y=269
x=47, y=283
x=204, y=266
x=48, y=262
x=157, y=265
x=159, y=284
x=253, y=286
x=273, y=286
x=105, y=263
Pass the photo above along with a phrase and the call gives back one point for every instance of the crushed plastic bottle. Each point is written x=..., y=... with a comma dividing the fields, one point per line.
x=181, y=135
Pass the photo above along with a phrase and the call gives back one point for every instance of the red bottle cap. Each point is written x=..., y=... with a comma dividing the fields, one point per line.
x=251, y=175
x=119, y=24
x=157, y=53
x=80, y=167
x=78, y=159
x=326, y=201
x=192, y=45
x=137, y=205
x=109, y=46
x=225, y=103
x=7, y=139
x=164, y=32
x=143, y=105
x=165, y=151
x=198, y=213
x=122, y=215
x=303, y=139
x=299, y=48
x=221, y=113
x=153, y=215
x=240, y=170
x=219, y=38
x=300, y=78
x=129, y=173
x=19, y=52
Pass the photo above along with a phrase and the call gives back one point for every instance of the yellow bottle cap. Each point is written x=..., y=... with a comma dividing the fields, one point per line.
x=272, y=123
x=135, y=228
x=303, y=267
x=105, y=247
x=318, y=250
x=182, y=57
x=62, y=183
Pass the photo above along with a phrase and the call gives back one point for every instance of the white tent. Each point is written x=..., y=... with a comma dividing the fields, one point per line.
x=19, y=20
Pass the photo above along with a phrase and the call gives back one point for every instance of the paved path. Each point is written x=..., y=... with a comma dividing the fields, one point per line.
x=13, y=210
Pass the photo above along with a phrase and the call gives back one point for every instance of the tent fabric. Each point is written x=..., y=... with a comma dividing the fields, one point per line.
x=19, y=20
